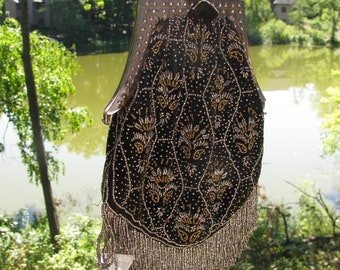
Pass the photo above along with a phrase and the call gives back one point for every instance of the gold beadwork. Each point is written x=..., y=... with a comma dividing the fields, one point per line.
x=179, y=185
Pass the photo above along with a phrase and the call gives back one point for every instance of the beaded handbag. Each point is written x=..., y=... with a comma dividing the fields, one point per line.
x=185, y=142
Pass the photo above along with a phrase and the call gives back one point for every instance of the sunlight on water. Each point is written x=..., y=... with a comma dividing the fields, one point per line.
x=293, y=147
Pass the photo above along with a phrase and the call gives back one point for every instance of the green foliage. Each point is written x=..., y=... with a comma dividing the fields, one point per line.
x=102, y=25
x=106, y=25
x=304, y=240
x=53, y=67
x=320, y=19
x=71, y=25
x=305, y=10
x=1, y=6
x=324, y=220
x=258, y=13
x=331, y=118
x=114, y=20
x=276, y=32
x=30, y=248
x=312, y=22
x=286, y=238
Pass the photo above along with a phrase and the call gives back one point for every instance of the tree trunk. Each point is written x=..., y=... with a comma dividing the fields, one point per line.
x=36, y=126
x=334, y=27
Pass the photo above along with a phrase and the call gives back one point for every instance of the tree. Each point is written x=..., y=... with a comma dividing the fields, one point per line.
x=309, y=9
x=317, y=17
x=70, y=24
x=52, y=66
x=331, y=12
x=258, y=12
x=38, y=140
x=92, y=24
x=114, y=18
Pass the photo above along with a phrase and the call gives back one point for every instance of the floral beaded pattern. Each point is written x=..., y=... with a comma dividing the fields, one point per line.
x=185, y=152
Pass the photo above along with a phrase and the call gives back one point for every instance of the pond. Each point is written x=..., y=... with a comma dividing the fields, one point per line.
x=293, y=81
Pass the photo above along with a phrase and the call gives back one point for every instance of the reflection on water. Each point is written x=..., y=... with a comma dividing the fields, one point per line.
x=292, y=129
x=293, y=146
x=276, y=68
x=282, y=67
x=95, y=86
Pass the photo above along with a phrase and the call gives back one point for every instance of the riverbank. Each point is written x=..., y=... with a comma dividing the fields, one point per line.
x=306, y=239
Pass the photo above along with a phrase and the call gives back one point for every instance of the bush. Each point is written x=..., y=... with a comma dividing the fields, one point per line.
x=276, y=32
x=301, y=38
x=254, y=37
x=30, y=247
x=309, y=239
x=318, y=39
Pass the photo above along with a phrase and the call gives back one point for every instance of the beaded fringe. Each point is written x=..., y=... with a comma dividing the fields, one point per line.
x=219, y=252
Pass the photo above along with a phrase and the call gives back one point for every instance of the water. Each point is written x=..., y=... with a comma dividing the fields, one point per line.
x=293, y=81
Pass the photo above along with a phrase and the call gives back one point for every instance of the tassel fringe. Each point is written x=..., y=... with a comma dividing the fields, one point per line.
x=219, y=252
